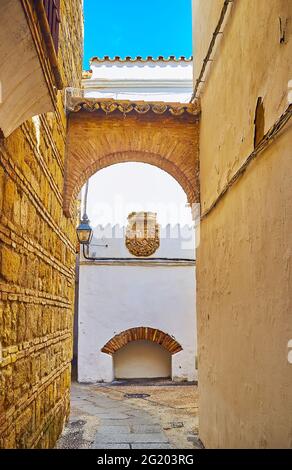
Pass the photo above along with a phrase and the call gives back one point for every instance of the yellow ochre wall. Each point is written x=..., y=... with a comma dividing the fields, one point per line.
x=244, y=278
x=37, y=260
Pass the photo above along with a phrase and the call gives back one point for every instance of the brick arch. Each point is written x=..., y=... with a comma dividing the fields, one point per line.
x=138, y=157
x=96, y=141
x=142, y=333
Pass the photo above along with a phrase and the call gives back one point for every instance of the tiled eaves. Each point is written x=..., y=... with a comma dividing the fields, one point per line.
x=171, y=58
x=109, y=105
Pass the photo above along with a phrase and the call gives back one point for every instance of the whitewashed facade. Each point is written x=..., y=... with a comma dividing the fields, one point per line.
x=116, y=294
x=149, y=80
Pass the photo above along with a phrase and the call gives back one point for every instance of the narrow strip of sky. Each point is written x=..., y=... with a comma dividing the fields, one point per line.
x=137, y=27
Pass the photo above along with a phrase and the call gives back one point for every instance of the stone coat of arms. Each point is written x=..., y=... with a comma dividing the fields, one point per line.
x=142, y=234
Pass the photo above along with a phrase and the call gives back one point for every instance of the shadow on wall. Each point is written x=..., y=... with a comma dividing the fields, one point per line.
x=140, y=360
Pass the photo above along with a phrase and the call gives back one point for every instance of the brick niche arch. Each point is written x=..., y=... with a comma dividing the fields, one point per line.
x=99, y=137
x=141, y=333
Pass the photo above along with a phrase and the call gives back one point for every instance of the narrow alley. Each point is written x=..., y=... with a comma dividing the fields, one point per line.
x=145, y=229
x=161, y=416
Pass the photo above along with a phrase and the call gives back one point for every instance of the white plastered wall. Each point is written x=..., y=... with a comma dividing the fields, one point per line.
x=152, y=81
x=115, y=298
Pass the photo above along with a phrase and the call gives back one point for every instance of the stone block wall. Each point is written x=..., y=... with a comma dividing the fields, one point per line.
x=37, y=265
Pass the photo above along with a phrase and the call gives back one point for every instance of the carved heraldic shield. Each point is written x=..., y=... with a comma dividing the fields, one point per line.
x=142, y=234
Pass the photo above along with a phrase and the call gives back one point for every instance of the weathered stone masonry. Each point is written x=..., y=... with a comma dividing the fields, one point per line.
x=37, y=260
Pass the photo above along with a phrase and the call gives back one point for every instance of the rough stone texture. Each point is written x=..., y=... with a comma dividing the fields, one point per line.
x=244, y=258
x=37, y=266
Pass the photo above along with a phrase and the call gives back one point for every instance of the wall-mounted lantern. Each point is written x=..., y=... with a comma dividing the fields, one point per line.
x=84, y=231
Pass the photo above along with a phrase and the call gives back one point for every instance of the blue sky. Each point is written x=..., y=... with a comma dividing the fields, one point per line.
x=137, y=27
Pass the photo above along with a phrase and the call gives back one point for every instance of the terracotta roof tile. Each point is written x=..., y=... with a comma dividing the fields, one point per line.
x=109, y=105
x=141, y=59
x=86, y=74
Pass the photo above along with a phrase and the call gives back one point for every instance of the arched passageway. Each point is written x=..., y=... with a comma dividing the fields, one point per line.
x=120, y=288
x=103, y=132
x=142, y=333
x=142, y=353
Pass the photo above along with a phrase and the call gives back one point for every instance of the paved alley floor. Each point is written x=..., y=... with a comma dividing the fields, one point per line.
x=103, y=417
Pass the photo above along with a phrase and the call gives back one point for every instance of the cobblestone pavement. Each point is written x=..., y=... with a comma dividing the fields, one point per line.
x=100, y=422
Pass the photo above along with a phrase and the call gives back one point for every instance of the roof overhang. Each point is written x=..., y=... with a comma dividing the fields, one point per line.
x=109, y=105
x=28, y=64
x=141, y=59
